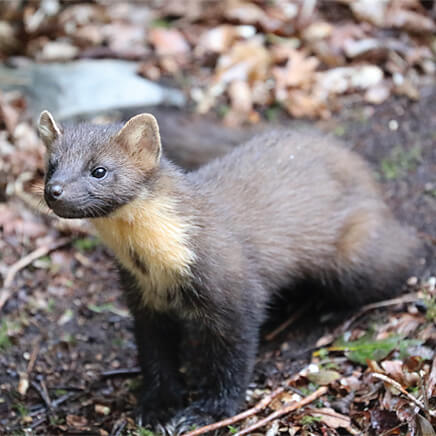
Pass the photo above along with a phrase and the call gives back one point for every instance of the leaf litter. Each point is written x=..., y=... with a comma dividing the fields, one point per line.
x=249, y=56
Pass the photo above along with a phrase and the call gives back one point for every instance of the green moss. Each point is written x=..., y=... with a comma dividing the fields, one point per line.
x=400, y=162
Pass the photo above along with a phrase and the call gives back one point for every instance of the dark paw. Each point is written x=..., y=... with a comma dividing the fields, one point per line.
x=154, y=409
x=195, y=416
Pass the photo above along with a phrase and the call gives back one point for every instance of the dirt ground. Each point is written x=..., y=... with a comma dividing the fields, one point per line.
x=72, y=337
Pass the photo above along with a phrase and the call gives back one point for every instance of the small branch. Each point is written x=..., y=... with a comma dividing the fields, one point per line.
x=409, y=396
x=407, y=298
x=243, y=415
x=56, y=403
x=118, y=428
x=24, y=262
x=33, y=357
x=284, y=411
x=121, y=372
x=43, y=394
x=294, y=317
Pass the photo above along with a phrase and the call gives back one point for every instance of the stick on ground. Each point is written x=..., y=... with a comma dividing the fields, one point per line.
x=409, y=396
x=25, y=261
x=284, y=411
x=232, y=420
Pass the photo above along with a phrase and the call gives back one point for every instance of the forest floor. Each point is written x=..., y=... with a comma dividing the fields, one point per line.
x=68, y=360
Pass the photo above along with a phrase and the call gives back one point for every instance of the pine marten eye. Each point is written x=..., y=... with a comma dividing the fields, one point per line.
x=99, y=172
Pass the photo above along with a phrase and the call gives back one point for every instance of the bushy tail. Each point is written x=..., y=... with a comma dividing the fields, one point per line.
x=378, y=265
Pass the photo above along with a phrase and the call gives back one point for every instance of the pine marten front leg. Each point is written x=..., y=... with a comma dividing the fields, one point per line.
x=229, y=338
x=158, y=338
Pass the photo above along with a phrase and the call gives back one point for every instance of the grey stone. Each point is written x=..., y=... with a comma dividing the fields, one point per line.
x=86, y=87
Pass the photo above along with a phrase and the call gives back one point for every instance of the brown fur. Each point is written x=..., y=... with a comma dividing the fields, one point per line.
x=214, y=245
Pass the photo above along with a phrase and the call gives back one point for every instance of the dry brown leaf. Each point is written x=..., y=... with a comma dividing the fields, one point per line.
x=12, y=105
x=247, y=60
x=23, y=384
x=351, y=383
x=394, y=369
x=378, y=94
x=331, y=418
x=220, y=38
x=76, y=421
x=149, y=70
x=410, y=21
x=9, y=42
x=431, y=380
x=323, y=377
x=245, y=12
x=57, y=51
x=298, y=72
x=168, y=41
x=424, y=426
x=125, y=37
x=301, y=104
x=345, y=79
x=101, y=409
x=369, y=10
x=318, y=30
x=240, y=96
x=89, y=35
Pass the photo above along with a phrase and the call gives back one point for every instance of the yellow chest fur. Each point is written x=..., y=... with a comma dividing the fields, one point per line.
x=151, y=241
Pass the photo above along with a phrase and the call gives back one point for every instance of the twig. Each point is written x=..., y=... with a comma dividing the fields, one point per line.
x=121, y=372
x=56, y=403
x=42, y=393
x=232, y=420
x=284, y=411
x=407, y=298
x=400, y=388
x=25, y=261
x=39, y=421
x=33, y=357
x=296, y=315
x=66, y=388
x=118, y=428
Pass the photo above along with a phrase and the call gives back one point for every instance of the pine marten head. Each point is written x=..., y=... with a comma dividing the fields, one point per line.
x=93, y=170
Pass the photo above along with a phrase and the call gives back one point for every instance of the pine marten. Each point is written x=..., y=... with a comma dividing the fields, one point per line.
x=213, y=246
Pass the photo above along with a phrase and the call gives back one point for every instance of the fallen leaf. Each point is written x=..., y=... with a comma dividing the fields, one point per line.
x=323, y=376
x=247, y=60
x=298, y=71
x=331, y=418
x=101, y=409
x=410, y=21
x=245, y=12
x=424, y=427
x=57, y=51
x=23, y=384
x=76, y=421
x=168, y=41
x=218, y=40
x=369, y=10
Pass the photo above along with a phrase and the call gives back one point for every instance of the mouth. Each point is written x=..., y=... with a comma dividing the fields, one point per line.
x=67, y=212
x=65, y=209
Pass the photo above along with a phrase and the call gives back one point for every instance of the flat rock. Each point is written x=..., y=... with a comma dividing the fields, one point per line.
x=86, y=87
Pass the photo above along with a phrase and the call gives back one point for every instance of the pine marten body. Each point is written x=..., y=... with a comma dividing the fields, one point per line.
x=213, y=246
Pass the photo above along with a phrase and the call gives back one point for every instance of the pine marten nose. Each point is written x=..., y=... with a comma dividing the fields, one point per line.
x=55, y=191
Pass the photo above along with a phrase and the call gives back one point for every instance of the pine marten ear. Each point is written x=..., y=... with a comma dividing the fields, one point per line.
x=140, y=137
x=48, y=129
